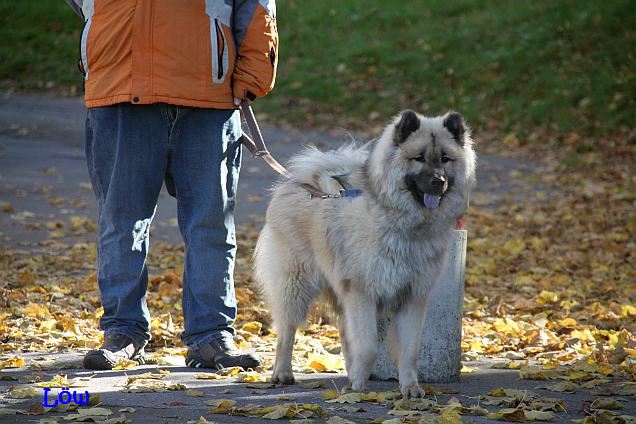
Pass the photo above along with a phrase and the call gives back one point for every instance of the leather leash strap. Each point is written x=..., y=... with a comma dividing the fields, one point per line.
x=257, y=147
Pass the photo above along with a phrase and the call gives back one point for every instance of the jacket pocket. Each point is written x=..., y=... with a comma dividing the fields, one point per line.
x=220, y=52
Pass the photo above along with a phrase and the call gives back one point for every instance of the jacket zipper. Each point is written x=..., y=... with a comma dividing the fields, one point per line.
x=219, y=56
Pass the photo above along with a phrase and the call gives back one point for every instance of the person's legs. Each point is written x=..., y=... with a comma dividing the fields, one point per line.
x=126, y=151
x=205, y=158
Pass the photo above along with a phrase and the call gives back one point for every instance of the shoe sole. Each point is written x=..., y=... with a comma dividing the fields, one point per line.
x=195, y=363
x=105, y=360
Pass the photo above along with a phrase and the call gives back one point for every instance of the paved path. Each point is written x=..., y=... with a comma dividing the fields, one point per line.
x=43, y=178
x=42, y=162
x=178, y=407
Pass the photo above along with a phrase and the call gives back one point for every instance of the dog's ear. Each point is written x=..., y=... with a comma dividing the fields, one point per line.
x=454, y=123
x=409, y=123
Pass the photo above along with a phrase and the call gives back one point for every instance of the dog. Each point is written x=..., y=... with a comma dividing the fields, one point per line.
x=377, y=254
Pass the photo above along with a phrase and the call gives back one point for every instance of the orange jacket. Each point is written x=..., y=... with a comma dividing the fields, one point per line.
x=199, y=53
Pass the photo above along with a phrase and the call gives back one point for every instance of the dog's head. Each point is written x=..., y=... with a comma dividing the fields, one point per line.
x=431, y=152
x=430, y=158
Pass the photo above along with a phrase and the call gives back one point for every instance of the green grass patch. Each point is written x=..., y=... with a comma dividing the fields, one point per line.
x=512, y=64
x=562, y=65
x=40, y=46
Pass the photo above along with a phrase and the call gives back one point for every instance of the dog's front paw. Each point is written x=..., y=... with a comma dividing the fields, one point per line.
x=283, y=377
x=355, y=386
x=412, y=391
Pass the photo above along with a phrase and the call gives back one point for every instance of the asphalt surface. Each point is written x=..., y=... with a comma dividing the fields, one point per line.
x=42, y=165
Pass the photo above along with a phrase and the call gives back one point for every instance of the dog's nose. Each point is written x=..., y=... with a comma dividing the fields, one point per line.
x=438, y=181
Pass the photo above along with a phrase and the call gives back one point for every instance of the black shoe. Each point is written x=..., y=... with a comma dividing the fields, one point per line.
x=221, y=353
x=116, y=346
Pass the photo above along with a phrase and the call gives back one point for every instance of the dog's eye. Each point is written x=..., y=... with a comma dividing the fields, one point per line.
x=446, y=159
x=420, y=158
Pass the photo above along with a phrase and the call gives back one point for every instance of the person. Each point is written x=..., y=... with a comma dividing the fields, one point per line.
x=162, y=83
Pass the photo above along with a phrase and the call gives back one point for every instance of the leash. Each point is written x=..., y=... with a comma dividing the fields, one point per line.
x=257, y=147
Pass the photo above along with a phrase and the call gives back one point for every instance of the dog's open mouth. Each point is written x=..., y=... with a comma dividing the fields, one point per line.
x=428, y=197
x=431, y=201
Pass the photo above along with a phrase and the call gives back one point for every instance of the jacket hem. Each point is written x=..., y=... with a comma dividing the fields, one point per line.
x=145, y=100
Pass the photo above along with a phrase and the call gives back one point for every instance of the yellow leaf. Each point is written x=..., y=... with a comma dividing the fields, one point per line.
x=329, y=394
x=532, y=373
x=47, y=325
x=17, y=392
x=14, y=362
x=476, y=346
x=580, y=376
x=208, y=376
x=253, y=327
x=35, y=311
x=498, y=392
x=514, y=247
x=353, y=397
x=605, y=369
x=125, y=364
x=230, y=371
x=26, y=278
x=627, y=311
x=250, y=377
x=606, y=403
x=450, y=416
x=563, y=387
x=546, y=297
x=155, y=376
x=220, y=406
x=326, y=363
x=59, y=381
x=95, y=412
x=279, y=411
x=509, y=414
x=150, y=385
x=312, y=384
x=567, y=322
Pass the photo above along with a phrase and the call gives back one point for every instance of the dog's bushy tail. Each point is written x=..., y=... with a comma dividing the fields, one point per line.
x=312, y=165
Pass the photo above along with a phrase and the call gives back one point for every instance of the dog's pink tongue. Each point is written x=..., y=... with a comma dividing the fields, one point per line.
x=431, y=201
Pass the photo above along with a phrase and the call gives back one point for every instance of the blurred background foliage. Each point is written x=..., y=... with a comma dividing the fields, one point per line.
x=563, y=66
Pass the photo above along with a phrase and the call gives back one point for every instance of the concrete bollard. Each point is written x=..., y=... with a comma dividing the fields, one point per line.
x=440, y=352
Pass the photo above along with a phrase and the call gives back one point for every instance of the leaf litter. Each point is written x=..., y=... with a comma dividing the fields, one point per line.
x=551, y=288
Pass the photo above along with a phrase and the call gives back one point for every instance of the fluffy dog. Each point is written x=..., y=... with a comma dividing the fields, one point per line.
x=377, y=253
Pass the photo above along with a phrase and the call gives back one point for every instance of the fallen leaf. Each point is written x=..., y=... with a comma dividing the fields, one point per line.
x=13, y=362
x=18, y=392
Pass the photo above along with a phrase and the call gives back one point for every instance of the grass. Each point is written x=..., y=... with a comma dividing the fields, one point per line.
x=565, y=65
x=40, y=46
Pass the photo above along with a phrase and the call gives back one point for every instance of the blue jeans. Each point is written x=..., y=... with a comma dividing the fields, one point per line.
x=129, y=150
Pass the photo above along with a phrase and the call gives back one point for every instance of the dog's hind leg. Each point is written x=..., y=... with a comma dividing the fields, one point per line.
x=361, y=338
x=404, y=339
x=295, y=297
x=289, y=290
